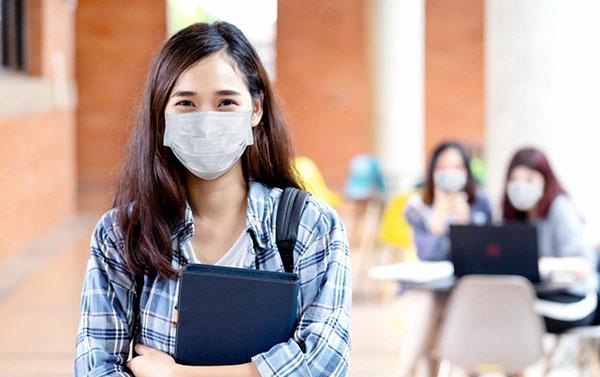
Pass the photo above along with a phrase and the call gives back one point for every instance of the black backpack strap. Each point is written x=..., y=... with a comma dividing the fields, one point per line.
x=137, y=324
x=289, y=211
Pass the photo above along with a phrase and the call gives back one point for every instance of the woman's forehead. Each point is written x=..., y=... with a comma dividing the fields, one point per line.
x=525, y=171
x=450, y=156
x=214, y=73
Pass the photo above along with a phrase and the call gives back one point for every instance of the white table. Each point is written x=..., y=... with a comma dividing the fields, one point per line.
x=439, y=276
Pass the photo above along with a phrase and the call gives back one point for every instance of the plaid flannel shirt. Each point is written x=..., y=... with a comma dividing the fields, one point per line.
x=320, y=345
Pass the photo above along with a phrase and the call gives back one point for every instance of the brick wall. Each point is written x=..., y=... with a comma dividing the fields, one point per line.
x=454, y=72
x=322, y=77
x=37, y=176
x=115, y=43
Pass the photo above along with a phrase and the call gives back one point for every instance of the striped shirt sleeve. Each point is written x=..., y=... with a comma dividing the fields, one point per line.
x=321, y=342
x=106, y=319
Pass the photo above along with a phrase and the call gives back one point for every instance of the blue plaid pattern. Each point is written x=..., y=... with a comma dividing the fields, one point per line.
x=321, y=343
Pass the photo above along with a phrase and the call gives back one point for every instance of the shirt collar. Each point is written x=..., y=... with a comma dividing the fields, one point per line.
x=257, y=217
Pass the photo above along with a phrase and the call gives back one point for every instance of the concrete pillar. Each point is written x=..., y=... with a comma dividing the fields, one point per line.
x=397, y=50
x=454, y=73
x=542, y=90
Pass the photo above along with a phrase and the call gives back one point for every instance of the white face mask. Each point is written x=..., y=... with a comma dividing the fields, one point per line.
x=450, y=180
x=208, y=143
x=524, y=196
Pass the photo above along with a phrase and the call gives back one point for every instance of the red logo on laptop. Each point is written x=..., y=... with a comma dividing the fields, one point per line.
x=494, y=251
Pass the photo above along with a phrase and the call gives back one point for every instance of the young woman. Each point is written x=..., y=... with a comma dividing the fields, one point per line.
x=201, y=182
x=533, y=194
x=450, y=196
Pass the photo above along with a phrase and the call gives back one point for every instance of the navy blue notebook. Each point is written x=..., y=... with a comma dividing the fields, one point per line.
x=228, y=315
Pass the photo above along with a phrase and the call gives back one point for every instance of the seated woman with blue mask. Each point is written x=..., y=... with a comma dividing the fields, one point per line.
x=534, y=195
x=450, y=196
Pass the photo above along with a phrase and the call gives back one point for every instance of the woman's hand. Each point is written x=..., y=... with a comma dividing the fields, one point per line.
x=460, y=211
x=449, y=208
x=441, y=212
x=155, y=363
x=151, y=362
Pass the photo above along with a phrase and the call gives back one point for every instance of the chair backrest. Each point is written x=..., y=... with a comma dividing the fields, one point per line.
x=365, y=179
x=395, y=230
x=312, y=181
x=490, y=325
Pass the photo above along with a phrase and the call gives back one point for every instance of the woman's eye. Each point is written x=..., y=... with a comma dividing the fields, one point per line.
x=227, y=102
x=184, y=103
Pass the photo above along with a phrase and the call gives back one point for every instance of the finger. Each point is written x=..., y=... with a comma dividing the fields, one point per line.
x=142, y=349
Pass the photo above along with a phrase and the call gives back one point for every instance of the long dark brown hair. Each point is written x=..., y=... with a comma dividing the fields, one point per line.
x=429, y=188
x=533, y=159
x=150, y=193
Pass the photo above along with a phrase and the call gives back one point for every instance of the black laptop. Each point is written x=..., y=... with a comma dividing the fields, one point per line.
x=510, y=249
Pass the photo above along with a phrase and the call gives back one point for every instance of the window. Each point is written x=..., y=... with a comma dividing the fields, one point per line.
x=12, y=36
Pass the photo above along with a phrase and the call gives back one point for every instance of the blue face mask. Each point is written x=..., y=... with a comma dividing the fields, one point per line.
x=524, y=196
x=208, y=143
x=450, y=180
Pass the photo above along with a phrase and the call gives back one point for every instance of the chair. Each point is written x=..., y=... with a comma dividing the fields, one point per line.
x=395, y=240
x=395, y=232
x=588, y=343
x=588, y=339
x=365, y=191
x=313, y=181
x=491, y=325
x=365, y=179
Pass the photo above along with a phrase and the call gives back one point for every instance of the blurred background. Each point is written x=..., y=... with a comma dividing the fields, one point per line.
x=389, y=79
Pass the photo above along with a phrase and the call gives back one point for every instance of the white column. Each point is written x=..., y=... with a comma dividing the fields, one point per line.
x=397, y=43
x=543, y=86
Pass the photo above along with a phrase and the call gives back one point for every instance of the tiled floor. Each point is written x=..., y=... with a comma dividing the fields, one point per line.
x=40, y=314
x=39, y=309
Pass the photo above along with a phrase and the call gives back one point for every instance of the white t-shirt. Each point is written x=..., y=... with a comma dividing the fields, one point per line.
x=235, y=257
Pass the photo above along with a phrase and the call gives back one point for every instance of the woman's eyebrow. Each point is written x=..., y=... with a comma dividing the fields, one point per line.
x=183, y=93
x=228, y=92
x=189, y=93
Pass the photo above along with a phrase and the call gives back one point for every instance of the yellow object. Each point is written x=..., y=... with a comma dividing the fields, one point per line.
x=395, y=230
x=490, y=368
x=313, y=182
